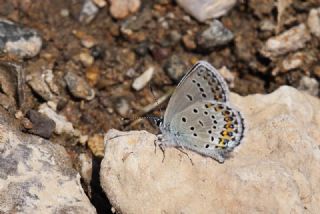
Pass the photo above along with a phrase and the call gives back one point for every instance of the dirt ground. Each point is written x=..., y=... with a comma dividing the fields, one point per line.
x=120, y=57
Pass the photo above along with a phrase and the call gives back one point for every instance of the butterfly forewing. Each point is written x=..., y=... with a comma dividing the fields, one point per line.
x=202, y=82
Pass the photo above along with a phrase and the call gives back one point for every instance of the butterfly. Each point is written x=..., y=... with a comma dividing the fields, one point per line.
x=199, y=116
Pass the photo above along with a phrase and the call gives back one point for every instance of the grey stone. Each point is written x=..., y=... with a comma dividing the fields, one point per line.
x=214, y=36
x=78, y=86
x=175, y=68
x=42, y=125
x=20, y=41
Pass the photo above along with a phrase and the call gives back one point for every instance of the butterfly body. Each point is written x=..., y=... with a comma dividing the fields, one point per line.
x=199, y=116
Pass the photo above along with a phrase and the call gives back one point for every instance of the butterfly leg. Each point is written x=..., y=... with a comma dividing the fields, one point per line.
x=160, y=142
x=182, y=151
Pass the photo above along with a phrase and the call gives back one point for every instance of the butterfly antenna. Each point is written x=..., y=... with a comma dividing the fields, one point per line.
x=155, y=99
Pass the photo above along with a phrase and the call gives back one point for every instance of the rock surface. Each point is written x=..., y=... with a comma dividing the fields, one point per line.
x=36, y=176
x=276, y=169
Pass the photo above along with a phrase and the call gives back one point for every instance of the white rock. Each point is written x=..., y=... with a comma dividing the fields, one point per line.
x=141, y=81
x=276, y=169
x=206, y=9
x=62, y=125
x=290, y=40
x=314, y=21
x=36, y=176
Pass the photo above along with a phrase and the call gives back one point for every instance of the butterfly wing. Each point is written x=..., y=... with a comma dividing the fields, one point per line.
x=209, y=128
x=202, y=82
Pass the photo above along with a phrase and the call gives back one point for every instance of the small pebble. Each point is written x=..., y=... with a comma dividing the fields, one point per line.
x=26, y=123
x=79, y=87
x=175, y=68
x=96, y=145
x=100, y=3
x=291, y=40
x=309, y=85
x=87, y=41
x=64, y=12
x=214, y=36
x=18, y=115
x=86, y=59
x=92, y=75
x=188, y=42
x=314, y=22
x=120, y=9
x=159, y=53
x=42, y=125
x=39, y=86
x=88, y=12
x=142, y=49
x=141, y=81
x=122, y=106
x=97, y=52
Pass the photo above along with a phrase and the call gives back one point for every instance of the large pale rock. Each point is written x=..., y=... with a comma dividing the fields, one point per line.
x=36, y=176
x=276, y=169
